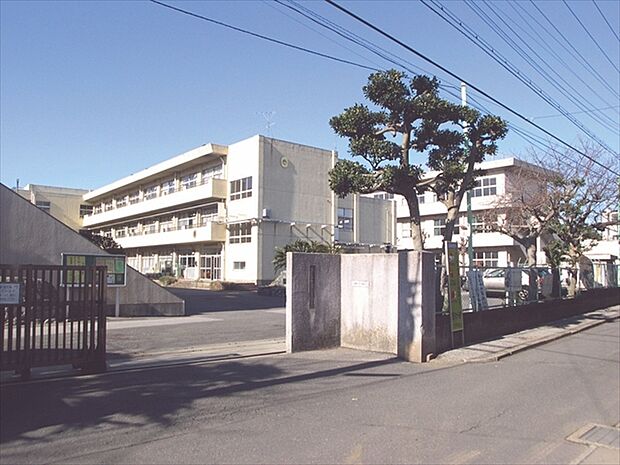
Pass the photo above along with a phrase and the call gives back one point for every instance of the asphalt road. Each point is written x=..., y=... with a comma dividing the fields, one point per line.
x=212, y=318
x=336, y=406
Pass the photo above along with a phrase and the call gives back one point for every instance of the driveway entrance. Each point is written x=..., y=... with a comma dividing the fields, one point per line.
x=221, y=321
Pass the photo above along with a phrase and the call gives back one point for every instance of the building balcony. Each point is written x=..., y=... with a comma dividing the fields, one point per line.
x=213, y=189
x=210, y=232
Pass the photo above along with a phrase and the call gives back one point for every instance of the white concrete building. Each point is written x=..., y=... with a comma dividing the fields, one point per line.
x=490, y=248
x=218, y=212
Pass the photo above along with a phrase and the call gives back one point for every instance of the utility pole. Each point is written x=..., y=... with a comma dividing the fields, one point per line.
x=470, y=219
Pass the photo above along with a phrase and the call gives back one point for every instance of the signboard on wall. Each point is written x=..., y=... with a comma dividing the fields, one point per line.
x=10, y=293
x=116, y=274
x=454, y=286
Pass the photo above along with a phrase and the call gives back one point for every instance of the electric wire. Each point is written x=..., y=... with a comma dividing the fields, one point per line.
x=325, y=36
x=348, y=35
x=606, y=22
x=576, y=112
x=302, y=48
x=542, y=43
x=263, y=37
x=590, y=36
x=494, y=54
x=601, y=119
x=456, y=76
x=583, y=61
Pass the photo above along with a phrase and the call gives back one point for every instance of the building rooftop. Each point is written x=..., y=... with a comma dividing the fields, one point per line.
x=188, y=158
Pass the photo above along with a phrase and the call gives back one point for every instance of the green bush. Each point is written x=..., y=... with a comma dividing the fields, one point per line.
x=167, y=280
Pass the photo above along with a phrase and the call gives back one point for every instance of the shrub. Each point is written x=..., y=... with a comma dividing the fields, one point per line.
x=167, y=280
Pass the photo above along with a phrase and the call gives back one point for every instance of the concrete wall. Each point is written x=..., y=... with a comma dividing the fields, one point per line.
x=375, y=302
x=312, y=311
x=369, y=302
x=490, y=324
x=31, y=236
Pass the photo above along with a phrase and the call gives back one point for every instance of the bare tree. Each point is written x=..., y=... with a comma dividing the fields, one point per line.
x=564, y=195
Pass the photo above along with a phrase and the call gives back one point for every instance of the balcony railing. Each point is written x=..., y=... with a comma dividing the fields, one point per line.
x=150, y=196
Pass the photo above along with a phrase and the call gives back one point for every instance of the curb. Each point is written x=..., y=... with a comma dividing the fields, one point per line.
x=508, y=352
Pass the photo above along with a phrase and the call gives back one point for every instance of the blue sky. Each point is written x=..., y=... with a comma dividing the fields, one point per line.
x=93, y=91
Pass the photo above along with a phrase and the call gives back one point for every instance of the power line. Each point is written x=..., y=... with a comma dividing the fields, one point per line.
x=494, y=54
x=576, y=112
x=590, y=35
x=263, y=37
x=269, y=4
x=544, y=45
x=583, y=61
x=348, y=35
x=605, y=19
x=602, y=119
x=456, y=76
x=470, y=34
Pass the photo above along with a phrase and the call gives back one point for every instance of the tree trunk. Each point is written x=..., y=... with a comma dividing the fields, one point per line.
x=531, y=252
x=414, y=221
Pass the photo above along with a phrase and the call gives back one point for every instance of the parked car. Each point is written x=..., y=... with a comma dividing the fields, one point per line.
x=495, y=282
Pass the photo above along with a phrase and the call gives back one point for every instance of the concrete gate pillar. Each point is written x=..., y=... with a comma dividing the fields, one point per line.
x=416, y=306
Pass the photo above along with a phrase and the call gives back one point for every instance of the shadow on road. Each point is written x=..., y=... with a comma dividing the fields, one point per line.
x=203, y=300
x=136, y=398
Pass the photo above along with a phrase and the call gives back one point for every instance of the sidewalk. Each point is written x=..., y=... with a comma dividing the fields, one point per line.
x=496, y=349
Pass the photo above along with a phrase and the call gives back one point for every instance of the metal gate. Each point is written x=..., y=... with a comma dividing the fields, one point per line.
x=52, y=315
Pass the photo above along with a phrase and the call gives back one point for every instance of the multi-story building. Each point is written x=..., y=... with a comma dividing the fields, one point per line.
x=64, y=204
x=490, y=248
x=218, y=212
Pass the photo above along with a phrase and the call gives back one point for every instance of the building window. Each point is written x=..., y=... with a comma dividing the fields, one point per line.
x=107, y=206
x=421, y=199
x=97, y=209
x=132, y=230
x=384, y=196
x=168, y=187
x=486, y=259
x=120, y=233
x=121, y=201
x=240, y=232
x=148, y=264
x=485, y=187
x=44, y=205
x=207, y=214
x=405, y=229
x=211, y=172
x=187, y=222
x=166, y=225
x=189, y=181
x=85, y=210
x=134, y=197
x=238, y=265
x=345, y=219
x=439, y=226
x=150, y=193
x=241, y=188
x=150, y=228
x=210, y=267
x=187, y=261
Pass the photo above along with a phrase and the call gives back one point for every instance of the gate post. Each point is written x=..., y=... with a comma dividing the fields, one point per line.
x=416, y=306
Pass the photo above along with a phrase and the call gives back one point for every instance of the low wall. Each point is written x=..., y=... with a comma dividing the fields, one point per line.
x=490, y=324
x=375, y=302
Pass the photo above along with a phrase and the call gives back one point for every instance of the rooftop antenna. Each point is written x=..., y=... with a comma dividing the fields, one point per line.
x=268, y=115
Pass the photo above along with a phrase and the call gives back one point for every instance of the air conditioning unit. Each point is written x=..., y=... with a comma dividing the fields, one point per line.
x=266, y=213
